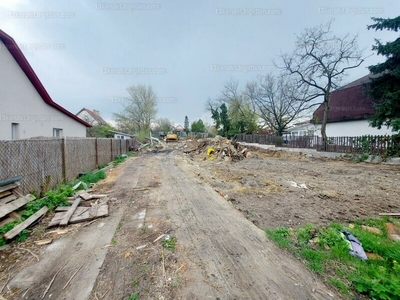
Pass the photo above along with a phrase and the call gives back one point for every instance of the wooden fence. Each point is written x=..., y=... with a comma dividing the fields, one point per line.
x=45, y=163
x=374, y=145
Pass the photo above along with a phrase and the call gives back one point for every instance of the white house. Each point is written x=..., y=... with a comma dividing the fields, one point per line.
x=27, y=110
x=349, y=109
x=302, y=129
x=91, y=116
x=121, y=135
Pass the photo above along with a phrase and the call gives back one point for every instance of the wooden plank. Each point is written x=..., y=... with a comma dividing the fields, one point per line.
x=5, y=193
x=60, y=215
x=71, y=210
x=18, y=194
x=62, y=208
x=85, y=196
x=98, y=196
x=93, y=211
x=101, y=212
x=10, y=207
x=6, y=221
x=9, y=187
x=81, y=214
x=17, y=229
x=390, y=214
x=14, y=215
x=7, y=199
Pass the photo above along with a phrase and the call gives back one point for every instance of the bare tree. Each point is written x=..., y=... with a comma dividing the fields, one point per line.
x=319, y=62
x=277, y=101
x=140, y=111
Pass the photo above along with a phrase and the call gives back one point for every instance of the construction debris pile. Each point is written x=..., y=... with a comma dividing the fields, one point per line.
x=217, y=148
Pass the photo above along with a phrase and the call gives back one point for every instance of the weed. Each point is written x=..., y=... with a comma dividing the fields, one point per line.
x=113, y=241
x=134, y=296
x=169, y=243
x=280, y=236
x=22, y=236
x=176, y=281
x=361, y=157
x=119, y=225
x=135, y=282
x=118, y=160
x=143, y=229
x=102, y=166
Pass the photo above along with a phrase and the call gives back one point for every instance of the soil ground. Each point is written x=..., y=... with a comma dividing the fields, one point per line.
x=214, y=211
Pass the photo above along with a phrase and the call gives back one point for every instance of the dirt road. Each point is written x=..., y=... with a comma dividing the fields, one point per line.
x=218, y=254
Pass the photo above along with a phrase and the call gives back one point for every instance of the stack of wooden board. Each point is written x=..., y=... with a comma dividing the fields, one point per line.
x=75, y=214
x=10, y=201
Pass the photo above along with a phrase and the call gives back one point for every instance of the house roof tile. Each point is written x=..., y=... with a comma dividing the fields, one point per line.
x=348, y=103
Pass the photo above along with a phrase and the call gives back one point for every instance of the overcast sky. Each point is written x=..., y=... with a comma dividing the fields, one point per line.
x=87, y=52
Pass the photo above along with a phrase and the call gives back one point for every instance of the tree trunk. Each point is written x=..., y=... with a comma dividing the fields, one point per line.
x=324, y=121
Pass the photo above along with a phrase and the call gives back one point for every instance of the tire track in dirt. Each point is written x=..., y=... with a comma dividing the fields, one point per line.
x=86, y=247
x=228, y=256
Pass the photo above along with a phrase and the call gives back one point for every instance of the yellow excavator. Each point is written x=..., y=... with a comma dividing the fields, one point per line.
x=171, y=137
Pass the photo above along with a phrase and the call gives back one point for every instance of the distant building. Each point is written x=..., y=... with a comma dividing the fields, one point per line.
x=350, y=107
x=302, y=129
x=122, y=136
x=91, y=116
x=27, y=110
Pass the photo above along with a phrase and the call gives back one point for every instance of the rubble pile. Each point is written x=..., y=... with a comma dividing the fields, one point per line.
x=217, y=148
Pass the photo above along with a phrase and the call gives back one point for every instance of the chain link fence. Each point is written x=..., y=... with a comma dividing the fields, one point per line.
x=45, y=163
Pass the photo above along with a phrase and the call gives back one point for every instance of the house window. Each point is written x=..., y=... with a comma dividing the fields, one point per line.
x=57, y=132
x=14, y=131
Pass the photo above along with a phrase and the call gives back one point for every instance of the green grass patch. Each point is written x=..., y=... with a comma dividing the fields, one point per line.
x=325, y=252
x=118, y=160
x=91, y=177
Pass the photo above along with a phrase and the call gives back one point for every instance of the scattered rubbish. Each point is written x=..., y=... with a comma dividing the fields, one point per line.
x=393, y=232
x=141, y=247
x=43, y=242
x=371, y=229
x=210, y=151
x=374, y=256
x=160, y=237
x=296, y=185
x=355, y=245
x=127, y=254
x=390, y=214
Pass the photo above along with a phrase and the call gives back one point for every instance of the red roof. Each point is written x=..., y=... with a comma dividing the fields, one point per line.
x=26, y=67
x=348, y=103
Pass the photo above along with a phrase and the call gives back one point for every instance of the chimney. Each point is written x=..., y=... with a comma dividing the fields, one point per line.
x=96, y=112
